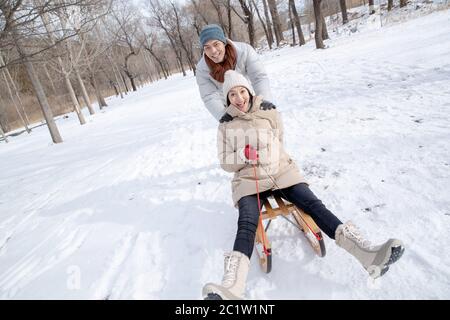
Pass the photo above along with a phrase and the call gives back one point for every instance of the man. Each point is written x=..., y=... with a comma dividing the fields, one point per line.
x=222, y=54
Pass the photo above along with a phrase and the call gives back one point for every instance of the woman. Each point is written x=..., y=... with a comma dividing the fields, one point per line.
x=222, y=54
x=250, y=144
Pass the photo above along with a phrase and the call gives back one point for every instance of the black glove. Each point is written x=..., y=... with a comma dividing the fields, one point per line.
x=267, y=105
x=225, y=118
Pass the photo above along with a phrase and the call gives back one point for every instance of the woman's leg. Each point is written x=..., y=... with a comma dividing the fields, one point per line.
x=375, y=259
x=304, y=198
x=248, y=223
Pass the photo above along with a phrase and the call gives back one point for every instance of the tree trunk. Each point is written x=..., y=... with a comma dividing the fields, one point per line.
x=116, y=72
x=65, y=73
x=127, y=70
x=124, y=81
x=372, y=7
x=173, y=45
x=319, y=24
x=217, y=6
x=230, y=22
x=114, y=86
x=40, y=94
x=199, y=12
x=324, y=28
x=98, y=93
x=100, y=100
x=180, y=61
x=14, y=102
x=166, y=66
x=276, y=21
x=343, y=11
x=263, y=25
x=291, y=22
x=249, y=21
x=189, y=54
x=86, y=98
x=148, y=64
x=158, y=60
x=73, y=97
x=390, y=4
x=268, y=22
x=9, y=80
x=403, y=3
x=37, y=86
x=52, y=84
x=4, y=124
x=298, y=25
x=3, y=134
x=131, y=78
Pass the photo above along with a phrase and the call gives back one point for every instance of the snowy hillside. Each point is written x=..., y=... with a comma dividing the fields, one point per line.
x=134, y=205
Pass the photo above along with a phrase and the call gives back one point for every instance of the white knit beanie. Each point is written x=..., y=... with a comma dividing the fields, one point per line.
x=234, y=79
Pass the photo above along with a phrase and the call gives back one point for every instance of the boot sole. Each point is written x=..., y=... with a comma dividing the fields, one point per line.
x=378, y=271
x=212, y=290
x=213, y=296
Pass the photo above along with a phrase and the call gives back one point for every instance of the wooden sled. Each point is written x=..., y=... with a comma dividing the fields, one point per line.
x=302, y=220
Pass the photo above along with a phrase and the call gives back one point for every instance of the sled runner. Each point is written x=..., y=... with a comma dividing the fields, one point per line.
x=301, y=220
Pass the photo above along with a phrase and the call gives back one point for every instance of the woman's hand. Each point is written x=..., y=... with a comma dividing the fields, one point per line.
x=249, y=154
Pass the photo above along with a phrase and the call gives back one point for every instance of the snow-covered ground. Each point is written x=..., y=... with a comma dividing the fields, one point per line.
x=134, y=205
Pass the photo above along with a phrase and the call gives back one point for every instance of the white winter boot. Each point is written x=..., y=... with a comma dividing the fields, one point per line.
x=233, y=283
x=375, y=259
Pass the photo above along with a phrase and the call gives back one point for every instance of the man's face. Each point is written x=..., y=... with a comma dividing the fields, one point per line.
x=215, y=50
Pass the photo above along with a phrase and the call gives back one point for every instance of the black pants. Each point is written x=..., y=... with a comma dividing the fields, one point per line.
x=298, y=194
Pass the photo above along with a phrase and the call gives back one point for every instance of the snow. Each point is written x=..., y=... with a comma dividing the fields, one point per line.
x=133, y=205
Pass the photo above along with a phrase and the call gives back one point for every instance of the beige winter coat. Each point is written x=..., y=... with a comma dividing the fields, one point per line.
x=263, y=130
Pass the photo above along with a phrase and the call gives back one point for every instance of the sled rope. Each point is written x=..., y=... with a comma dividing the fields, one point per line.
x=261, y=226
x=318, y=237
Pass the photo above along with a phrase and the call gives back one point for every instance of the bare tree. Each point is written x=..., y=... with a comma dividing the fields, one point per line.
x=343, y=6
x=95, y=49
x=371, y=7
x=16, y=35
x=276, y=21
x=324, y=27
x=64, y=17
x=403, y=3
x=161, y=17
x=390, y=4
x=199, y=12
x=292, y=26
x=15, y=96
x=319, y=24
x=218, y=6
x=297, y=22
x=3, y=134
x=268, y=21
x=128, y=21
x=248, y=20
x=109, y=33
x=65, y=68
x=230, y=22
x=39, y=90
x=187, y=49
x=149, y=46
x=263, y=24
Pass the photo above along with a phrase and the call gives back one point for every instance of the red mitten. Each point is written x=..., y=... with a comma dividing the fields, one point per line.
x=251, y=153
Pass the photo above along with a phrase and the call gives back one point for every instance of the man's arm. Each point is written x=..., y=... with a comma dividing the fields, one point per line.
x=211, y=96
x=257, y=74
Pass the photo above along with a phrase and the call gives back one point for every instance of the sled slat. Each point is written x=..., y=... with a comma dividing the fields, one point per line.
x=303, y=220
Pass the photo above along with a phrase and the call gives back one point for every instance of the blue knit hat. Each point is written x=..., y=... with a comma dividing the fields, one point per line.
x=212, y=32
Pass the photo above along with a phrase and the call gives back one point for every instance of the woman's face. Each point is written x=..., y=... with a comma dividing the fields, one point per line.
x=239, y=97
x=215, y=50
